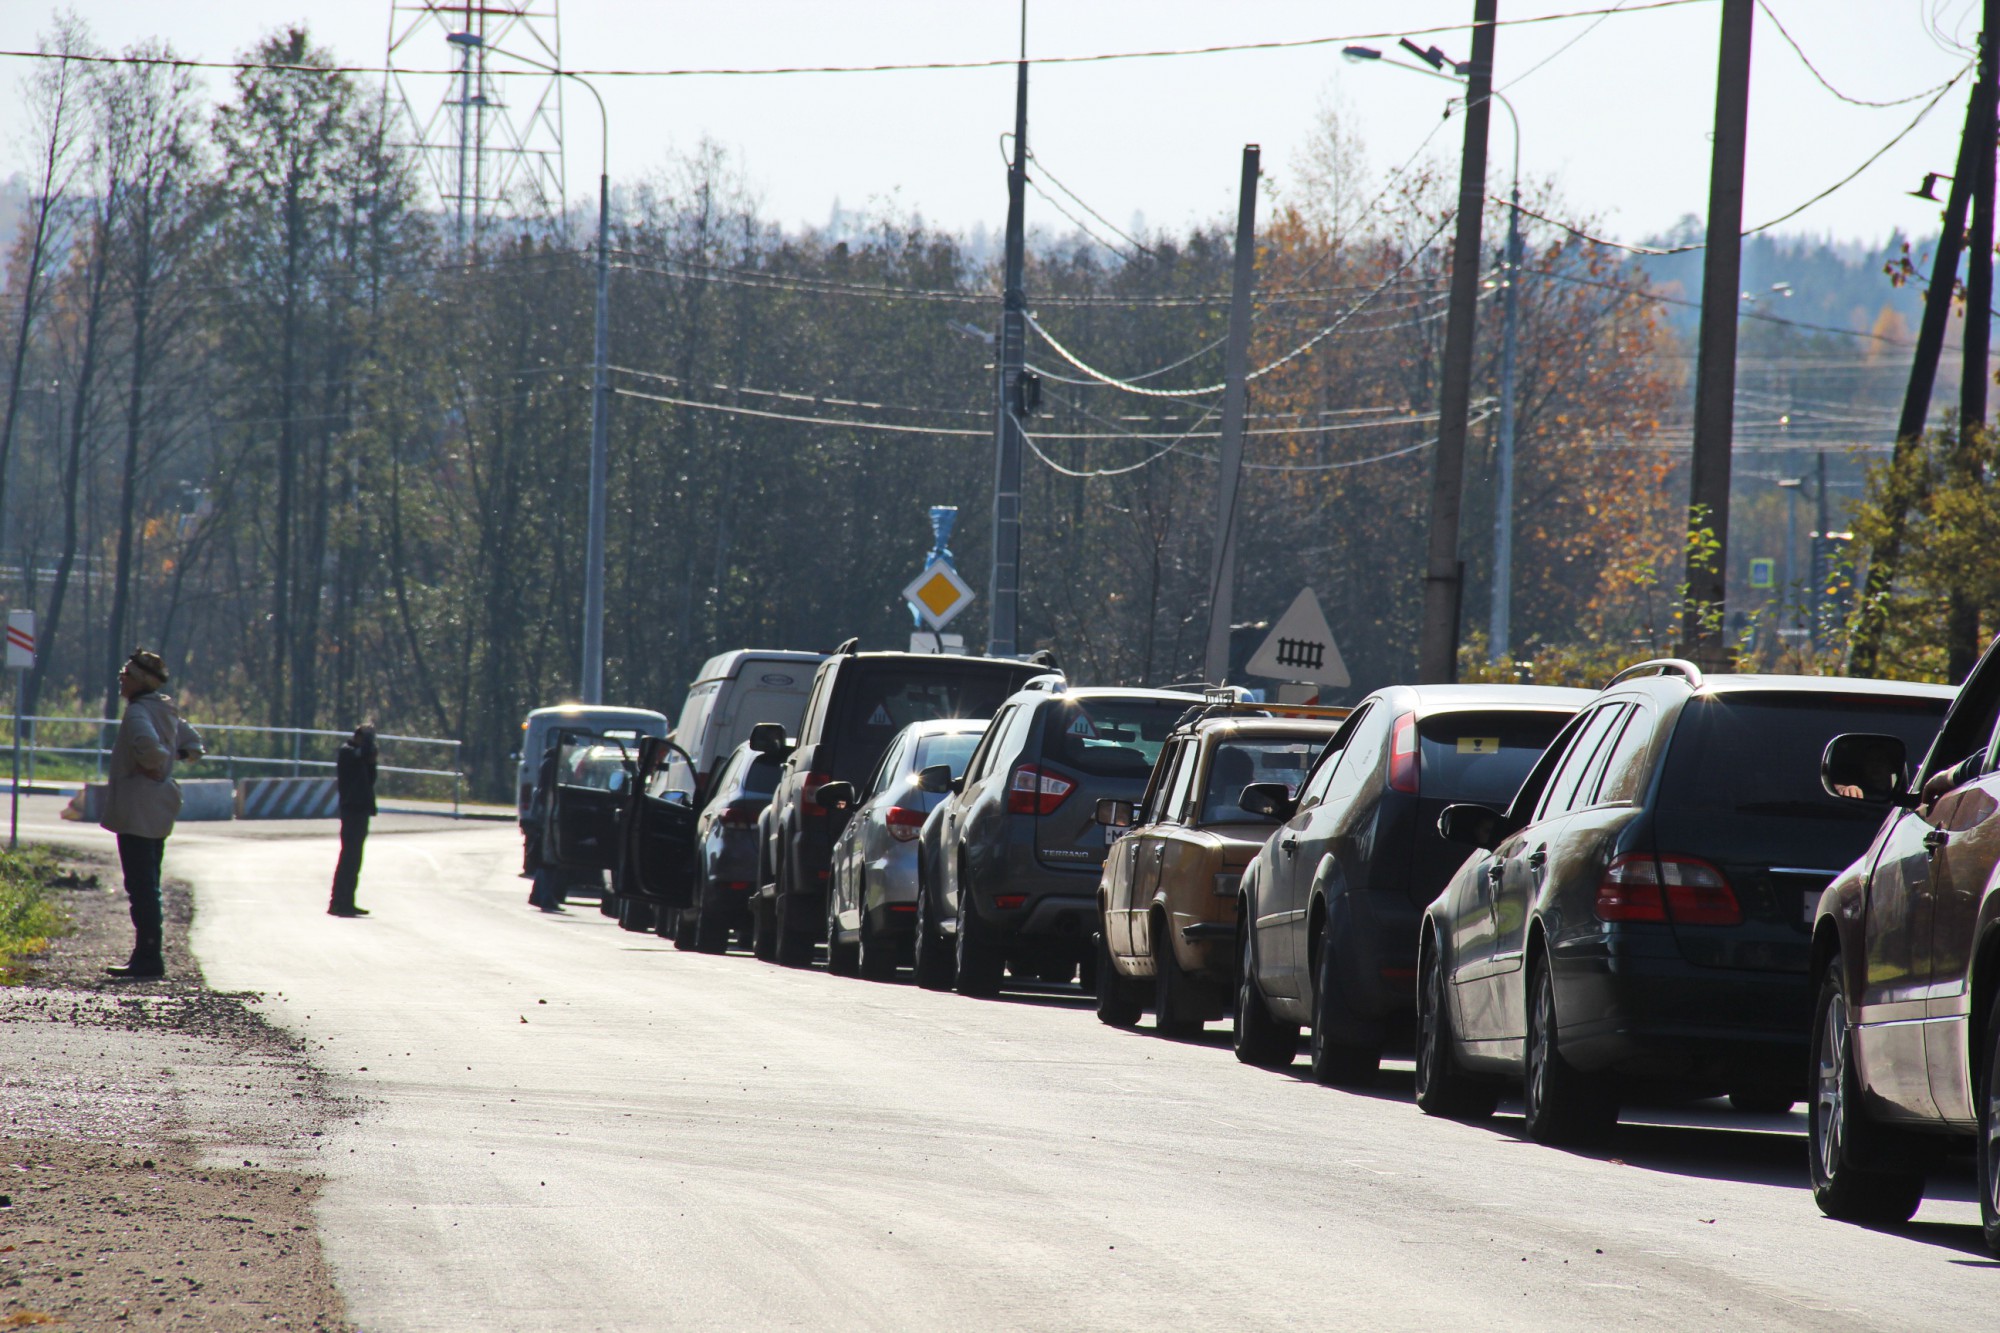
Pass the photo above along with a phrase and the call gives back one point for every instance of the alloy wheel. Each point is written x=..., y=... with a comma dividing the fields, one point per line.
x=1830, y=1092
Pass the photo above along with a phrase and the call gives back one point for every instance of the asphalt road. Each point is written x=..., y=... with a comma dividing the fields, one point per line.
x=559, y=1124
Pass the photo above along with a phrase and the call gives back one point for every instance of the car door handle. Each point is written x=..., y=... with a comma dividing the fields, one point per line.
x=1496, y=872
x=1935, y=839
x=1538, y=858
x=1291, y=846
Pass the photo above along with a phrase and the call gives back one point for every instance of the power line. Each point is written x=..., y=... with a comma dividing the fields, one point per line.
x=1806, y=60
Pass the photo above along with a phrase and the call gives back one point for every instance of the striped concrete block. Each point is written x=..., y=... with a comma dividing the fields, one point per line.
x=287, y=798
x=201, y=799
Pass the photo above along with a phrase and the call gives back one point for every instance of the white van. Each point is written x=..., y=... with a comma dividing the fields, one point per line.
x=735, y=691
x=596, y=718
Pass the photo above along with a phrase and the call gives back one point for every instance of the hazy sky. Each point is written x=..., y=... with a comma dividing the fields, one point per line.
x=1620, y=119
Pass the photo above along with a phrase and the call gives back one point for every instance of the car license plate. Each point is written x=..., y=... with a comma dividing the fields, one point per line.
x=1111, y=833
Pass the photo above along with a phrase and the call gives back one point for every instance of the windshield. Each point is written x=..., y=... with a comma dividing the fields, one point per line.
x=1739, y=760
x=599, y=767
x=1238, y=763
x=1110, y=737
x=1482, y=757
x=954, y=749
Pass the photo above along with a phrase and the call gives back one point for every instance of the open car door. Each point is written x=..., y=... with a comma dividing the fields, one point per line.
x=657, y=831
x=592, y=780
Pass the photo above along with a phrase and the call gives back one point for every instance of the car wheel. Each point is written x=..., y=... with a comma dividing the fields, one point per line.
x=1444, y=1088
x=764, y=929
x=979, y=963
x=878, y=956
x=607, y=902
x=1261, y=1040
x=684, y=928
x=711, y=928
x=1562, y=1104
x=842, y=960
x=1176, y=1007
x=794, y=942
x=1118, y=999
x=1839, y=1134
x=1343, y=1064
x=635, y=914
x=933, y=961
x=1989, y=1133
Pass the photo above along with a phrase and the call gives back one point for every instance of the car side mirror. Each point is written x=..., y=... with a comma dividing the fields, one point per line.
x=1476, y=825
x=768, y=739
x=835, y=795
x=1861, y=766
x=1113, y=813
x=1273, y=800
x=936, y=779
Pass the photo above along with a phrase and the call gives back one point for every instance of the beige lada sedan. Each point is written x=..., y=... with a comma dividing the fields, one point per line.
x=1167, y=898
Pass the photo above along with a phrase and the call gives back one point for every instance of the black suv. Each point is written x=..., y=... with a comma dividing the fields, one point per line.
x=857, y=705
x=1332, y=902
x=1644, y=911
x=1008, y=864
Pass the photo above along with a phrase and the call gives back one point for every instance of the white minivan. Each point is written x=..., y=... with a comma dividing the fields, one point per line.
x=732, y=693
x=598, y=719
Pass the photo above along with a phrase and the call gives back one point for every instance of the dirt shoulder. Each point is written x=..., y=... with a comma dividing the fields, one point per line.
x=157, y=1141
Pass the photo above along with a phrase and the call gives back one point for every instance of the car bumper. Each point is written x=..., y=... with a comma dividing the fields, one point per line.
x=1375, y=953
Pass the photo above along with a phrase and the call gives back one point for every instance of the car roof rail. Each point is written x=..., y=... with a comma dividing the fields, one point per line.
x=1049, y=682
x=1660, y=666
x=847, y=646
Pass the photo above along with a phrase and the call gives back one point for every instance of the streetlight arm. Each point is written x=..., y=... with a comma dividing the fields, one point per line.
x=603, y=121
x=1506, y=105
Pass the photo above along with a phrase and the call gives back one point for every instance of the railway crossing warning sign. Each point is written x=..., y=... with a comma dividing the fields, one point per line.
x=1300, y=647
x=20, y=640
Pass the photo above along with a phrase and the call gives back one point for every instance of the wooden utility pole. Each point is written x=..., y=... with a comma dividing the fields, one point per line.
x=1962, y=643
x=1235, y=403
x=1437, y=648
x=1702, y=625
x=1865, y=652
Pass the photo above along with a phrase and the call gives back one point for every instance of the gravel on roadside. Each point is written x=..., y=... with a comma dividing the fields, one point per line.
x=157, y=1141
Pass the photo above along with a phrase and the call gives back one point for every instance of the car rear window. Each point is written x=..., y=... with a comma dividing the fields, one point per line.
x=954, y=749
x=1236, y=764
x=1109, y=737
x=1737, y=756
x=760, y=778
x=881, y=701
x=1481, y=757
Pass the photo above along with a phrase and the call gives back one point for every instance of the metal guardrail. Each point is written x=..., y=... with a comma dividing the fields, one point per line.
x=296, y=761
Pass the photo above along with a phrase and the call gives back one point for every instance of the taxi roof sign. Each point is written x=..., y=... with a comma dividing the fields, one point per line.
x=938, y=594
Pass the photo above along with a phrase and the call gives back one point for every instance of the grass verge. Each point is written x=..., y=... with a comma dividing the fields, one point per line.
x=29, y=915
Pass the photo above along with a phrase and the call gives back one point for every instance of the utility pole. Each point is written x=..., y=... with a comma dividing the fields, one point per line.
x=1885, y=555
x=1500, y=629
x=1821, y=559
x=1437, y=648
x=1003, y=592
x=1962, y=616
x=1702, y=625
x=1235, y=403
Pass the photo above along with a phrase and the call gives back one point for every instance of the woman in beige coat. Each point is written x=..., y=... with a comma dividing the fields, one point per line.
x=141, y=799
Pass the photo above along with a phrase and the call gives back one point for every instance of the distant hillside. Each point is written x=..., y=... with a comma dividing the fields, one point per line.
x=1815, y=280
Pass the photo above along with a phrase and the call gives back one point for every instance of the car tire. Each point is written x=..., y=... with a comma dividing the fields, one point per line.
x=1261, y=1039
x=635, y=914
x=842, y=960
x=1444, y=1087
x=1338, y=1063
x=793, y=946
x=607, y=902
x=933, y=961
x=1176, y=1006
x=1118, y=1000
x=764, y=929
x=1988, y=1073
x=979, y=964
x=684, y=928
x=1842, y=1145
x=1562, y=1105
x=878, y=956
x=711, y=930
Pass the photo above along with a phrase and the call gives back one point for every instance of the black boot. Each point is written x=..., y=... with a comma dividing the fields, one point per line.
x=146, y=964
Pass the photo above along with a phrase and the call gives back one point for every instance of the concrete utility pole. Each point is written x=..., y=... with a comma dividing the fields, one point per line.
x=1003, y=592
x=1962, y=643
x=590, y=681
x=1886, y=554
x=1702, y=628
x=1235, y=404
x=1437, y=648
x=1500, y=637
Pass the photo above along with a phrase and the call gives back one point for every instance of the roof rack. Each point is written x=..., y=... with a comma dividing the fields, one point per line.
x=1660, y=666
x=1226, y=707
x=1049, y=682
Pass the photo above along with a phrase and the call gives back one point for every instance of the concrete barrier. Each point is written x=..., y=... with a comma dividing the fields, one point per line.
x=201, y=799
x=287, y=798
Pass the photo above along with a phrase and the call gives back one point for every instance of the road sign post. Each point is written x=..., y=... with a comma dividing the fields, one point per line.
x=20, y=660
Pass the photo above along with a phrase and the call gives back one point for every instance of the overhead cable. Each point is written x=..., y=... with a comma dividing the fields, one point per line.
x=1813, y=69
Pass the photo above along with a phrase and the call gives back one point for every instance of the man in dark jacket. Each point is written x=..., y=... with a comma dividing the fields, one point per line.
x=354, y=773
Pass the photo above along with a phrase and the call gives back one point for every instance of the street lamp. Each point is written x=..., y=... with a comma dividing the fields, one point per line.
x=1499, y=624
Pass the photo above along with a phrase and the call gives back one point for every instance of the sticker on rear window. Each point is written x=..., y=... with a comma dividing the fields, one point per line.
x=1479, y=745
x=1082, y=727
x=880, y=717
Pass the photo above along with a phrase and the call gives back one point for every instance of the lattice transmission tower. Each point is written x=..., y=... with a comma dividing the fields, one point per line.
x=481, y=106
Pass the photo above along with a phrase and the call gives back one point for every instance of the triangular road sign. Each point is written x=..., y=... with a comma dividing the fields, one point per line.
x=1300, y=647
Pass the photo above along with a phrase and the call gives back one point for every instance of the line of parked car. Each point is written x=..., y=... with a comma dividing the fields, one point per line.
x=1680, y=886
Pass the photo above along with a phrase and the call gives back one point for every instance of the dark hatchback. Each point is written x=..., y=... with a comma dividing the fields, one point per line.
x=725, y=836
x=1008, y=864
x=857, y=705
x=1642, y=914
x=1332, y=902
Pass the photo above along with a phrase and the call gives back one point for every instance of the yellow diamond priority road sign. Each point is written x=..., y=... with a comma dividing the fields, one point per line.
x=938, y=593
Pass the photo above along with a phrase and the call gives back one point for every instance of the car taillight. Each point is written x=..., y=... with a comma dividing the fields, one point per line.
x=1403, y=756
x=904, y=823
x=1036, y=791
x=1698, y=894
x=742, y=814
x=1685, y=889
x=809, y=795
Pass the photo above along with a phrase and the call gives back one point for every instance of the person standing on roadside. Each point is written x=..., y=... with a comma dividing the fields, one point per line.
x=354, y=774
x=141, y=799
